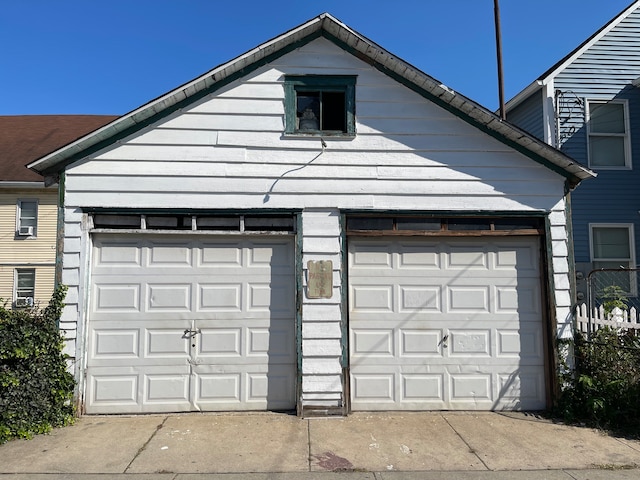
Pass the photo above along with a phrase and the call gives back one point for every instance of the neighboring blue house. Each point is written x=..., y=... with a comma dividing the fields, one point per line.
x=588, y=105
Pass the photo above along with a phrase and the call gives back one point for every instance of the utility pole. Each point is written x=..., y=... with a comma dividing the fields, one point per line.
x=496, y=12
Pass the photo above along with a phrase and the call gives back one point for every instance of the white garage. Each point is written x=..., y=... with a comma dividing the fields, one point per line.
x=191, y=323
x=446, y=323
x=212, y=262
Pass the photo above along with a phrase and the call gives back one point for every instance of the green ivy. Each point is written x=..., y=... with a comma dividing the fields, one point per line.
x=604, y=389
x=36, y=389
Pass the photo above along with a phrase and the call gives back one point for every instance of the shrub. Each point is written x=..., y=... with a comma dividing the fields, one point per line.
x=36, y=390
x=604, y=389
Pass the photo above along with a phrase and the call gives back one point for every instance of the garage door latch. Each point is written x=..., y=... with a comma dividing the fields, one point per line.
x=190, y=333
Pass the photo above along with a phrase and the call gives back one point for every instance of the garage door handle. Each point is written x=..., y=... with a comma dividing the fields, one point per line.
x=188, y=333
x=443, y=342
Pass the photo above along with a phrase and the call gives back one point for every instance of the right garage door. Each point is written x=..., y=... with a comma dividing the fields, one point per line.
x=446, y=324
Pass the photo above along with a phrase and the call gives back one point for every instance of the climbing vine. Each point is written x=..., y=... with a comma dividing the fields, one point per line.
x=36, y=389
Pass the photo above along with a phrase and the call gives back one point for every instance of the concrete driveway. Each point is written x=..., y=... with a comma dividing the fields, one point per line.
x=374, y=445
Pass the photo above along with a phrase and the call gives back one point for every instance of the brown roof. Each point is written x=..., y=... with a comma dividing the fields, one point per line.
x=26, y=138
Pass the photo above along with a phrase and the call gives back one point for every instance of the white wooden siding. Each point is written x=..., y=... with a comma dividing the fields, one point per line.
x=228, y=152
x=321, y=331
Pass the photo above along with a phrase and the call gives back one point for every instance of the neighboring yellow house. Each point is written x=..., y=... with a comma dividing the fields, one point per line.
x=28, y=209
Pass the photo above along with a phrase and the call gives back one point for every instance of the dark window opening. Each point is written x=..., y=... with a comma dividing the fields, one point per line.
x=116, y=221
x=468, y=224
x=322, y=105
x=321, y=111
x=231, y=223
x=269, y=223
x=168, y=222
x=444, y=226
x=208, y=222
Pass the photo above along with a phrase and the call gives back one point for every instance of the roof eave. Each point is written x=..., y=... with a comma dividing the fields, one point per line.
x=19, y=184
x=522, y=95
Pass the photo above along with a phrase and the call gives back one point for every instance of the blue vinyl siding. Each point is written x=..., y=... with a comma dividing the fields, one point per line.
x=529, y=116
x=604, y=72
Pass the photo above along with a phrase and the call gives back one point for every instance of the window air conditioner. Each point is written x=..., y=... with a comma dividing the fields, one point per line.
x=25, y=231
x=24, y=302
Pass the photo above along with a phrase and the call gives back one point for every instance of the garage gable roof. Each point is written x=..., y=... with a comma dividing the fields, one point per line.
x=328, y=27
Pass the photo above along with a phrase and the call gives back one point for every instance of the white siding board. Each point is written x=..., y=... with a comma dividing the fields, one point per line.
x=205, y=122
x=168, y=136
x=409, y=142
x=314, y=312
x=364, y=201
x=308, y=185
x=318, y=330
x=321, y=245
x=241, y=106
x=164, y=153
x=322, y=366
x=336, y=257
x=258, y=91
x=321, y=348
x=322, y=383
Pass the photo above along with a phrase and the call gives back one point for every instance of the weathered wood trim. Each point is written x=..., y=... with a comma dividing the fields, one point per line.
x=299, y=311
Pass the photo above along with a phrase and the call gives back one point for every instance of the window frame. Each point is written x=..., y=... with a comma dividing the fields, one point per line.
x=319, y=83
x=626, y=135
x=20, y=220
x=630, y=262
x=16, y=286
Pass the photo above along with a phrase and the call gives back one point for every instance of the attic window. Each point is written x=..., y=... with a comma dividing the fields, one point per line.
x=320, y=105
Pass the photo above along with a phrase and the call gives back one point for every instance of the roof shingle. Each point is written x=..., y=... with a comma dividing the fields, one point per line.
x=26, y=138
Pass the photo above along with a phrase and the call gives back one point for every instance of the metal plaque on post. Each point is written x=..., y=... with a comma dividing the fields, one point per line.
x=320, y=281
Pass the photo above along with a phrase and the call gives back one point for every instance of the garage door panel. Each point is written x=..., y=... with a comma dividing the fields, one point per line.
x=420, y=342
x=152, y=389
x=131, y=342
x=469, y=343
x=522, y=258
x=174, y=297
x=467, y=298
x=445, y=324
x=470, y=389
x=220, y=255
x=378, y=298
x=373, y=342
x=377, y=387
x=525, y=344
x=194, y=315
x=420, y=298
x=257, y=387
x=167, y=342
x=467, y=257
x=276, y=343
x=523, y=389
x=117, y=297
x=169, y=255
x=425, y=389
x=220, y=297
x=111, y=255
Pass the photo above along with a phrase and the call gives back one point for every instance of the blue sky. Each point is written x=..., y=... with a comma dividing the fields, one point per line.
x=109, y=57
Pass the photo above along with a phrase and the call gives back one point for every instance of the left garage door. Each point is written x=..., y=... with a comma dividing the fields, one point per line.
x=181, y=323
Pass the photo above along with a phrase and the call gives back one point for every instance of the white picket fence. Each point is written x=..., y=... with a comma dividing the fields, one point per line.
x=627, y=319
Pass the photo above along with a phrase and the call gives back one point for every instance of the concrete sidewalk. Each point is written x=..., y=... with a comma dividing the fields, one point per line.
x=382, y=446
